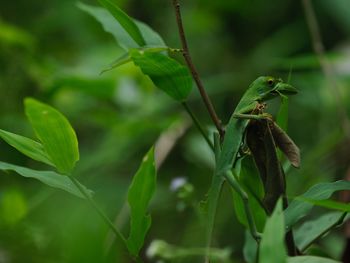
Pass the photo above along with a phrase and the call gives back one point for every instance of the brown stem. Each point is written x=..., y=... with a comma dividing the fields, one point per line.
x=194, y=72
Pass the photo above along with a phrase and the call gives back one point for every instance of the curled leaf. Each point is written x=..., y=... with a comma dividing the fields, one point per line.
x=286, y=144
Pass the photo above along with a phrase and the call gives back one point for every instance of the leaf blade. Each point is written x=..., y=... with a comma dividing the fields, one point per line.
x=27, y=146
x=140, y=193
x=272, y=249
x=110, y=25
x=49, y=178
x=310, y=259
x=312, y=230
x=166, y=73
x=125, y=21
x=56, y=134
x=298, y=209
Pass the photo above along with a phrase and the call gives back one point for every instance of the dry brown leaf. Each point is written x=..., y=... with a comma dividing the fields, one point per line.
x=286, y=144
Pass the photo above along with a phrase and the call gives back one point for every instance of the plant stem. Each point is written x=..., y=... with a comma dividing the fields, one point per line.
x=252, y=227
x=194, y=72
x=98, y=210
x=198, y=125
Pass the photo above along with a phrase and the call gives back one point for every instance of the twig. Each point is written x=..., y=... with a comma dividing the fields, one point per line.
x=198, y=125
x=98, y=210
x=325, y=65
x=194, y=72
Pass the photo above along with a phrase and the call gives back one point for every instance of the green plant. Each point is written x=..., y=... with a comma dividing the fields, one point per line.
x=250, y=179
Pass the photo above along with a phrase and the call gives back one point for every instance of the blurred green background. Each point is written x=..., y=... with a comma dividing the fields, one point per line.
x=53, y=51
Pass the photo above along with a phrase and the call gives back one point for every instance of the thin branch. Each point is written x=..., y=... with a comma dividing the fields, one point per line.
x=198, y=125
x=325, y=65
x=98, y=210
x=194, y=72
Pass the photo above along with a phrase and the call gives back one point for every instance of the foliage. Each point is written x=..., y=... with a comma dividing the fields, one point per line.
x=197, y=207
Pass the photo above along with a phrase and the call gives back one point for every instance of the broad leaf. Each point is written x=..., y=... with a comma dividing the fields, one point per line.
x=56, y=134
x=113, y=26
x=298, y=208
x=47, y=177
x=310, y=259
x=166, y=73
x=140, y=193
x=110, y=25
x=311, y=230
x=27, y=146
x=272, y=248
x=125, y=21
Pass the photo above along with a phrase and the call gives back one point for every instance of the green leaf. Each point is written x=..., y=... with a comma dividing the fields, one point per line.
x=56, y=134
x=298, y=208
x=47, y=177
x=331, y=204
x=125, y=40
x=272, y=248
x=140, y=193
x=110, y=25
x=250, y=181
x=310, y=259
x=27, y=146
x=250, y=248
x=151, y=37
x=166, y=73
x=125, y=21
x=314, y=229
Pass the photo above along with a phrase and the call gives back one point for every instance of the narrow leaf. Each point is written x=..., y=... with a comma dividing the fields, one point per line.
x=47, y=177
x=166, y=73
x=298, y=208
x=272, y=248
x=55, y=133
x=27, y=146
x=312, y=230
x=310, y=259
x=140, y=193
x=125, y=21
x=286, y=144
x=331, y=204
